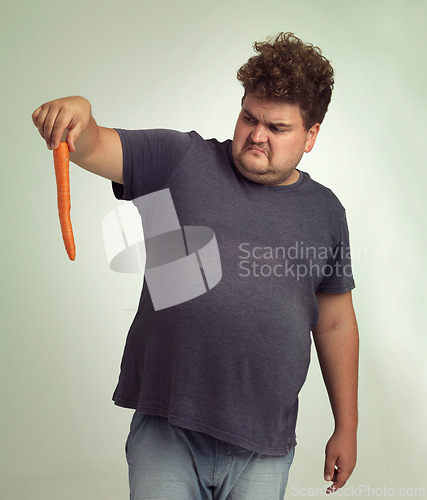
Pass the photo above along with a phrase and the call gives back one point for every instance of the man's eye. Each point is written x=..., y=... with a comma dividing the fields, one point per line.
x=248, y=119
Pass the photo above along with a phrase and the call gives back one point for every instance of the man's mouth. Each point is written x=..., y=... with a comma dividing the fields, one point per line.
x=257, y=149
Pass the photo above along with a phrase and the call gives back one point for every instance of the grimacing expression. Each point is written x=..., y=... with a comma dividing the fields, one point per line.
x=270, y=140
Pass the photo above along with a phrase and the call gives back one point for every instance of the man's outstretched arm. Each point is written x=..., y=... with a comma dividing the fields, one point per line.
x=96, y=149
x=337, y=344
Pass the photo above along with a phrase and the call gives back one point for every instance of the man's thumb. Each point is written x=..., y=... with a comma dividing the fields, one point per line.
x=72, y=137
x=329, y=470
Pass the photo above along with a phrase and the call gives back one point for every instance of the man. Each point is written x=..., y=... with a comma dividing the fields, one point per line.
x=215, y=380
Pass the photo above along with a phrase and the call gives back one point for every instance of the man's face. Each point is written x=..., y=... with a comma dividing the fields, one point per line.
x=270, y=140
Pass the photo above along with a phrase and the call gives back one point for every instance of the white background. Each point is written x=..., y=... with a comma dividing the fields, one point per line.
x=147, y=64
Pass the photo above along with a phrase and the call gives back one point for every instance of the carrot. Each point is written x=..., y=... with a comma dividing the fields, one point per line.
x=61, y=161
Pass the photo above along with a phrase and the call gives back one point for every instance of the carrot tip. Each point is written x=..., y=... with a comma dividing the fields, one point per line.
x=71, y=252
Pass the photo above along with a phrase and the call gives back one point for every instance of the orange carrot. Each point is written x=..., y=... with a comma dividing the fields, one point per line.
x=61, y=160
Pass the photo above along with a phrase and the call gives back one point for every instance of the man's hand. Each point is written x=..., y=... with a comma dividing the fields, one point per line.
x=340, y=458
x=55, y=117
x=96, y=149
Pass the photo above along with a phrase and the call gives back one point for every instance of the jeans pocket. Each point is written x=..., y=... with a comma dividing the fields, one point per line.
x=134, y=431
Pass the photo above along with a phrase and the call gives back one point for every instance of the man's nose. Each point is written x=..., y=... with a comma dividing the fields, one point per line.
x=259, y=134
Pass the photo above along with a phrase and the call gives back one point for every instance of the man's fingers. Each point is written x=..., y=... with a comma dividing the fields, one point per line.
x=44, y=119
x=52, y=129
x=39, y=117
x=329, y=470
x=339, y=479
x=62, y=119
x=35, y=115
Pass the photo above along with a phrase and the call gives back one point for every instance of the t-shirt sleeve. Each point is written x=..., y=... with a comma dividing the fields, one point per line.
x=338, y=274
x=149, y=158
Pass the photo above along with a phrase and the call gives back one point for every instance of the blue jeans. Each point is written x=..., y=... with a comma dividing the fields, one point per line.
x=169, y=462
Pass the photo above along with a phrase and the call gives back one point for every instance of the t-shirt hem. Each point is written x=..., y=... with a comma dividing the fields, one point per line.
x=207, y=429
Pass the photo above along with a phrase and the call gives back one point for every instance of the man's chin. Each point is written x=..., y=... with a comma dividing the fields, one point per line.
x=262, y=175
x=254, y=173
x=256, y=167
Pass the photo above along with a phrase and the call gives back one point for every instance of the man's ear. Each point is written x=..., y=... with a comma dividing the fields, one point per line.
x=311, y=137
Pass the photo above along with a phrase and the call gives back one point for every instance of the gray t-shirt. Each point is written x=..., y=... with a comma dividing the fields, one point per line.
x=231, y=362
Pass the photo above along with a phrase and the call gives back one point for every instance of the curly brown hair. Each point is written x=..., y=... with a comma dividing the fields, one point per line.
x=289, y=70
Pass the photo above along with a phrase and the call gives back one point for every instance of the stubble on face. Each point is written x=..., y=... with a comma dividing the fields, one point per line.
x=264, y=173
